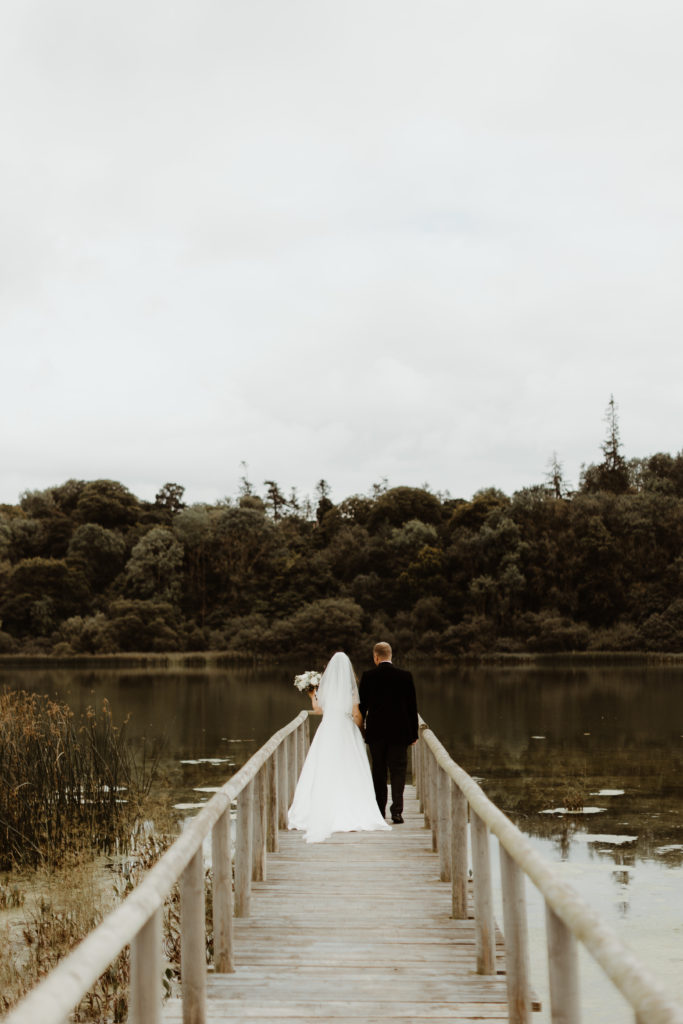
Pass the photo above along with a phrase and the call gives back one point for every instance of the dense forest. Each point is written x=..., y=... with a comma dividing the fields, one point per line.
x=86, y=567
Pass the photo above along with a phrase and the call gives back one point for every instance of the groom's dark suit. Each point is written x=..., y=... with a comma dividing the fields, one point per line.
x=389, y=708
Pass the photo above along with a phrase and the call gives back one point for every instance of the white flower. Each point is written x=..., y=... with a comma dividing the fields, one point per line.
x=307, y=681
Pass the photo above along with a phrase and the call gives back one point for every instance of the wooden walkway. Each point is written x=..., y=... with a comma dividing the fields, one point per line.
x=357, y=928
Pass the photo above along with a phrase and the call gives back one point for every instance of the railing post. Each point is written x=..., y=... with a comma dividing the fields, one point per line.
x=243, y=850
x=273, y=840
x=516, y=940
x=483, y=901
x=563, y=970
x=291, y=766
x=417, y=770
x=434, y=801
x=144, y=1000
x=221, y=858
x=424, y=773
x=300, y=749
x=260, y=822
x=282, y=784
x=193, y=941
x=459, y=852
x=444, y=809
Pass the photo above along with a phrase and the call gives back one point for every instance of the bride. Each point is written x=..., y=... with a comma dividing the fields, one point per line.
x=335, y=791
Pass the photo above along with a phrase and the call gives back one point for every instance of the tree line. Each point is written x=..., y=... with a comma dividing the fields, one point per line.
x=87, y=567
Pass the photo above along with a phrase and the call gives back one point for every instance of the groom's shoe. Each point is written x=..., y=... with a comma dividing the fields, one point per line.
x=397, y=819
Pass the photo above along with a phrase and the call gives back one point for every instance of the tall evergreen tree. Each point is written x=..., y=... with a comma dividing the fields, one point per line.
x=612, y=474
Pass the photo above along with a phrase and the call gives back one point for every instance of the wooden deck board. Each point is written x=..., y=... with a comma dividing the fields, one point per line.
x=356, y=928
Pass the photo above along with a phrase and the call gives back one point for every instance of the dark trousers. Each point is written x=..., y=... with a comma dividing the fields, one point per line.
x=391, y=758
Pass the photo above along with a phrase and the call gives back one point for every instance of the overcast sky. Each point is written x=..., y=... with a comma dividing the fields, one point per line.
x=349, y=239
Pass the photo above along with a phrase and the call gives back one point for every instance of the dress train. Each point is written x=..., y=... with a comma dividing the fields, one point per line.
x=335, y=791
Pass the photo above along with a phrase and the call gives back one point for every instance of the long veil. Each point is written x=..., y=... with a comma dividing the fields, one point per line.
x=337, y=690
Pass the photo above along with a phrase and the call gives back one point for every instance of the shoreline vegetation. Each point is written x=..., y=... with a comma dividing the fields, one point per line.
x=87, y=568
x=218, y=660
x=75, y=838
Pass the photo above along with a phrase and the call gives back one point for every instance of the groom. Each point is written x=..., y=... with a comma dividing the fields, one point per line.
x=389, y=708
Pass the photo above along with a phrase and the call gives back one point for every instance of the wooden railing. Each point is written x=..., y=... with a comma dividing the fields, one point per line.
x=446, y=793
x=263, y=788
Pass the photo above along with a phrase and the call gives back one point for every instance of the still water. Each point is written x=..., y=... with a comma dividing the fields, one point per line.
x=532, y=735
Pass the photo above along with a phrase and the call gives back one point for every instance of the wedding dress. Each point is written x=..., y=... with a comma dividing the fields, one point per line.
x=335, y=791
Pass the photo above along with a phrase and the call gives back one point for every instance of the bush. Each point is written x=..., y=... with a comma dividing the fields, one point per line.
x=663, y=631
x=145, y=626
x=474, y=635
x=7, y=643
x=90, y=635
x=622, y=637
x=555, y=634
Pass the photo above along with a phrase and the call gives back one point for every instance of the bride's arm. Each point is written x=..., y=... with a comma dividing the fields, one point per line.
x=357, y=717
x=315, y=707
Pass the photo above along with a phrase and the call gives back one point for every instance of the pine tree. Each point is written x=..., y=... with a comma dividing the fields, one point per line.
x=612, y=472
x=555, y=477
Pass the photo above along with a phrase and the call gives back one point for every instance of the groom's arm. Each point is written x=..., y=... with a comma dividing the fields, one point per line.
x=411, y=706
x=363, y=694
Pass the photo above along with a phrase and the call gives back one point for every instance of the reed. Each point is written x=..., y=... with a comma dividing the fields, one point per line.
x=64, y=783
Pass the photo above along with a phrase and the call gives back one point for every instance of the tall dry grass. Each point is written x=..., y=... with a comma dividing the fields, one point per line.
x=64, y=783
x=57, y=908
x=70, y=789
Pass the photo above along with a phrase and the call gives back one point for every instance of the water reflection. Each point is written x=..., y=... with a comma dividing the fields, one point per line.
x=603, y=743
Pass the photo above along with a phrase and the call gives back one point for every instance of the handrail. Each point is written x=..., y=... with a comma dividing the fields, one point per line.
x=635, y=983
x=56, y=996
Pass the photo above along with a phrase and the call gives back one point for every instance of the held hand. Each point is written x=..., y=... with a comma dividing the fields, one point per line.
x=315, y=707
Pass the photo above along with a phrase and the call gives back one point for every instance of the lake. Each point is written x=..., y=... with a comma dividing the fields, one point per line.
x=531, y=734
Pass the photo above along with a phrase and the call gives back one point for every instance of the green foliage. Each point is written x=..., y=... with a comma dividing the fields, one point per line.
x=400, y=504
x=154, y=567
x=663, y=631
x=144, y=626
x=39, y=593
x=329, y=625
x=170, y=498
x=99, y=551
x=108, y=503
x=87, y=568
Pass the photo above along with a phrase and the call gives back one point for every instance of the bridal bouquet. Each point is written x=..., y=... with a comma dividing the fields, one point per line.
x=307, y=681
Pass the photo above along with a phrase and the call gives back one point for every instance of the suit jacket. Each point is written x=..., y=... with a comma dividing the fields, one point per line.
x=388, y=705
